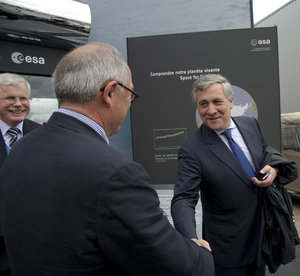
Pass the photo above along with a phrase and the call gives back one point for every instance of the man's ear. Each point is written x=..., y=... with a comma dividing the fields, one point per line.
x=231, y=103
x=108, y=92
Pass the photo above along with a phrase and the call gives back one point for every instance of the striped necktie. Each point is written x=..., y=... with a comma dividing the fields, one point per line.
x=13, y=132
x=240, y=155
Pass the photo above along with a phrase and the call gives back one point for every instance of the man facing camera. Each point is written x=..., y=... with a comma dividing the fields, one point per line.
x=223, y=161
x=83, y=208
x=14, y=107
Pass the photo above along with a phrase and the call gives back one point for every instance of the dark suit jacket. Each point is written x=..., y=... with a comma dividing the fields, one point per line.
x=85, y=209
x=28, y=126
x=229, y=199
x=278, y=234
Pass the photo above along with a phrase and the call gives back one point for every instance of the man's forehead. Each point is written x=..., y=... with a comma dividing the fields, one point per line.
x=12, y=88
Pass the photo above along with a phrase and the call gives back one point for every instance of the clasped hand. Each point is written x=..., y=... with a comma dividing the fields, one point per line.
x=269, y=180
x=202, y=243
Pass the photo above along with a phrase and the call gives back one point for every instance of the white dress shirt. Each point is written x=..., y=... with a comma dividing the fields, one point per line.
x=237, y=137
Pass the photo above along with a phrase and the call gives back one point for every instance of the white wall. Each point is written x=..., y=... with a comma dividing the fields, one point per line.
x=287, y=20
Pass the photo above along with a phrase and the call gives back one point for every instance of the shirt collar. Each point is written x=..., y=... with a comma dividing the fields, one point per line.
x=87, y=121
x=231, y=126
x=5, y=127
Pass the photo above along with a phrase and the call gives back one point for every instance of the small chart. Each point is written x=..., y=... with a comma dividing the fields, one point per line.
x=169, y=138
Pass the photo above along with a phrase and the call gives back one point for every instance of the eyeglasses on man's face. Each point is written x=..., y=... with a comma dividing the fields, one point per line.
x=134, y=95
x=12, y=100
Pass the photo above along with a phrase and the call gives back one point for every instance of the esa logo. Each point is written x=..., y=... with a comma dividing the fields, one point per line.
x=260, y=42
x=19, y=58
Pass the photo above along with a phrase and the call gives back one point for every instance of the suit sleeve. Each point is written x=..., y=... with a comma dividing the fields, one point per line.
x=134, y=233
x=186, y=193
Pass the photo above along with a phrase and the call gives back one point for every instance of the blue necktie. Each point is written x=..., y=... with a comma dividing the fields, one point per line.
x=240, y=155
x=13, y=132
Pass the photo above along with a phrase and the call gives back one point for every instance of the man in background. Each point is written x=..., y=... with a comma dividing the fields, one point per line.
x=227, y=179
x=83, y=208
x=14, y=107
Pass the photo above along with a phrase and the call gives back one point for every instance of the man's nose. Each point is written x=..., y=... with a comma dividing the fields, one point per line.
x=211, y=109
x=17, y=101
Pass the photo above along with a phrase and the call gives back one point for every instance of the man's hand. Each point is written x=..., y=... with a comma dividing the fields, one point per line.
x=269, y=180
x=202, y=243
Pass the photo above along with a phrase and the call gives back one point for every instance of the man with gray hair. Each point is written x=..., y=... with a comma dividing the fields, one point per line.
x=83, y=208
x=223, y=161
x=14, y=107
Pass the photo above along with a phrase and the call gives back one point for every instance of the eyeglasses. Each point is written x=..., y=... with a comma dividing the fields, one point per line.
x=12, y=100
x=134, y=95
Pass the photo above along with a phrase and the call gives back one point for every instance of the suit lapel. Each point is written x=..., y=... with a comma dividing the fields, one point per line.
x=27, y=127
x=218, y=148
x=3, y=152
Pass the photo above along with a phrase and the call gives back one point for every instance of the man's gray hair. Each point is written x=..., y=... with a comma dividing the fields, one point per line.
x=10, y=79
x=205, y=81
x=81, y=73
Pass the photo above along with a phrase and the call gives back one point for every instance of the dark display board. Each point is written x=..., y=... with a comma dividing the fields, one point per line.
x=164, y=68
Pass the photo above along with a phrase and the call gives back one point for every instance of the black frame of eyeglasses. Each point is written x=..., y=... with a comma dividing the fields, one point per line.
x=136, y=96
